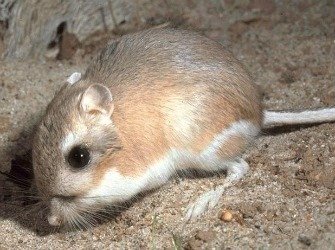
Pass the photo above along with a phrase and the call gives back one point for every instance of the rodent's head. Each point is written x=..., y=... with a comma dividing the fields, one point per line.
x=74, y=135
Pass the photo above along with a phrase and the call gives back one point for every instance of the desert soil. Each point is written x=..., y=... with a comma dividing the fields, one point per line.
x=286, y=201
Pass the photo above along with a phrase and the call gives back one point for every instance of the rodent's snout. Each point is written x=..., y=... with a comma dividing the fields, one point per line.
x=59, y=204
x=54, y=220
x=54, y=217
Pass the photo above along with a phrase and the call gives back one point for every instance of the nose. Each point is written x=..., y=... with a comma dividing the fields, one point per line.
x=54, y=220
x=57, y=202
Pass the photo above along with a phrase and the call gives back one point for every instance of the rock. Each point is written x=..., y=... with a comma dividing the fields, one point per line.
x=37, y=26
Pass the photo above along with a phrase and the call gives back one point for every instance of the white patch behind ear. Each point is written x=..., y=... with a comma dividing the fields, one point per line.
x=75, y=77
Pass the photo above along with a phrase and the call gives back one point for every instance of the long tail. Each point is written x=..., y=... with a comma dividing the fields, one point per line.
x=280, y=118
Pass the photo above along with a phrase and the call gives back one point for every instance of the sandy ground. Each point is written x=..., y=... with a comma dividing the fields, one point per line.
x=286, y=201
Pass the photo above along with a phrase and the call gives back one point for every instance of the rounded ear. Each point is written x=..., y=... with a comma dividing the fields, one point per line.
x=97, y=100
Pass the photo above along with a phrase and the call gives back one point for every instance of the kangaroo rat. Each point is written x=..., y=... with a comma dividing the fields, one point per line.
x=151, y=103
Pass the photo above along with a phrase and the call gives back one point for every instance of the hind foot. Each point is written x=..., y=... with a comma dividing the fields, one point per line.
x=235, y=171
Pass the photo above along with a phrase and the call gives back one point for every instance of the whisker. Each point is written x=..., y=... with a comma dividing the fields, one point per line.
x=69, y=222
x=87, y=219
x=103, y=196
x=102, y=217
x=80, y=222
x=10, y=175
x=75, y=217
x=96, y=215
x=26, y=196
x=19, y=182
x=39, y=216
x=73, y=220
x=77, y=224
x=24, y=211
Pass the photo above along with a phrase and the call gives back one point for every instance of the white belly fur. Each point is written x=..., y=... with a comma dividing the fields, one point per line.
x=117, y=188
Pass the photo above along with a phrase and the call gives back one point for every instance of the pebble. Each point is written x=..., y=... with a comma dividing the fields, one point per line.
x=226, y=216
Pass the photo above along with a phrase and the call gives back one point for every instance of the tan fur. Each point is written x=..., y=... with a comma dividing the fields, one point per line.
x=147, y=109
x=171, y=89
x=143, y=139
x=232, y=148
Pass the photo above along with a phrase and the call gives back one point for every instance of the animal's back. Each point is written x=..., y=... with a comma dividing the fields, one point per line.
x=173, y=89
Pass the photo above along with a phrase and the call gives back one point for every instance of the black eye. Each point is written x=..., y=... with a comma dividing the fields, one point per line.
x=79, y=157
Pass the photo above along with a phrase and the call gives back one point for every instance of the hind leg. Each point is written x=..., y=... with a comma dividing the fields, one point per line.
x=235, y=171
x=227, y=148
